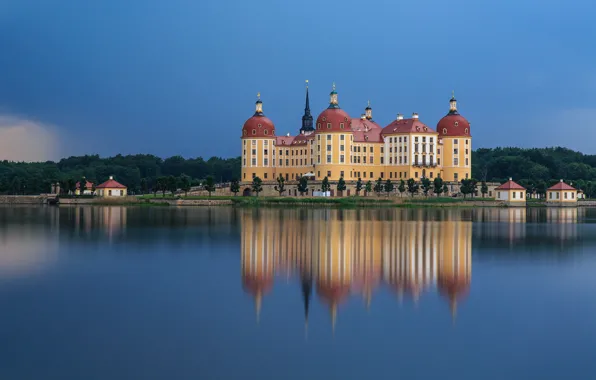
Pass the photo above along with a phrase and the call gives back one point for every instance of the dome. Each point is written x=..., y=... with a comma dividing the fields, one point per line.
x=453, y=124
x=333, y=120
x=258, y=126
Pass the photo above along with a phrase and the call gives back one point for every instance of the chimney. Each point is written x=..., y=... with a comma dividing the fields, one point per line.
x=362, y=117
x=288, y=134
x=561, y=181
x=415, y=115
x=111, y=177
x=511, y=179
x=400, y=116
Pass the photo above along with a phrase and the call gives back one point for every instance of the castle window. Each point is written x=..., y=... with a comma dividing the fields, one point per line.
x=244, y=133
x=273, y=132
x=456, y=124
x=328, y=125
x=328, y=158
x=318, y=125
x=342, y=137
x=466, y=131
x=341, y=125
x=425, y=129
x=254, y=131
x=266, y=133
x=259, y=125
x=324, y=118
x=444, y=131
x=366, y=138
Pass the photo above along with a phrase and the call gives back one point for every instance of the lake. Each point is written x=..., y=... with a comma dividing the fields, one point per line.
x=246, y=293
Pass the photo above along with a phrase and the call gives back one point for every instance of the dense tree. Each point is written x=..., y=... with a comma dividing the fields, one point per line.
x=325, y=186
x=302, y=185
x=426, y=186
x=438, y=186
x=368, y=187
x=379, y=186
x=401, y=187
x=412, y=187
x=144, y=185
x=185, y=183
x=468, y=187
x=341, y=185
x=209, y=184
x=162, y=185
x=358, y=186
x=257, y=185
x=235, y=186
x=388, y=186
x=484, y=189
x=280, y=187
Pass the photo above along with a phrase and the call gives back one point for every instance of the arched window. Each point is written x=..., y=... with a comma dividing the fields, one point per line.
x=466, y=131
x=266, y=132
x=444, y=131
x=328, y=125
x=341, y=125
x=318, y=125
x=273, y=132
x=254, y=131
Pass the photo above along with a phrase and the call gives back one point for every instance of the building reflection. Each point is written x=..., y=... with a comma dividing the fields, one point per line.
x=352, y=253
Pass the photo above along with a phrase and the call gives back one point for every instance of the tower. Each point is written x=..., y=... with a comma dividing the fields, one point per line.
x=368, y=111
x=307, y=119
x=456, y=140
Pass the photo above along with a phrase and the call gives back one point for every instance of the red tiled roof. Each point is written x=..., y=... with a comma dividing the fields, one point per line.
x=407, y=126
x=510, y=185
x=111, y=184
x=284, y=140
x=363, y=125
x=372, y=135
x=88, y=185
x=336, y=117
x=561, y=186
x=454, y=125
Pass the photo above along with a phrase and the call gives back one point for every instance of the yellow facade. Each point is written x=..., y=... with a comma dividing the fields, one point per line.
x=346, y=154
x=353, y=252
x=112, y=192
x=561, y=197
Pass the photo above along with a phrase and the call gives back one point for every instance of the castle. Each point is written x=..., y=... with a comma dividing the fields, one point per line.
x=338, y=146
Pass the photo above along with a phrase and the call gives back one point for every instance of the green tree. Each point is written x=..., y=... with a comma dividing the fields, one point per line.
x=71, y=185
x=162, y=185
x=465, y=187
x=209, y=184
x=438, y=186
x=412, y=187
x=184, y=181
x=144, y=186
x=426, y=186
x=359, y=186
x=341, y=185
x=484, y=189
x=82, y=186
x=235, y=186
x=401, y=187
x=172, y=184
x=368, y=187
x=325, y=186
x=445, y=189
x=379, y=186
x=257, y=185
x=302, y=185
x=388, y=186
x=280, y=187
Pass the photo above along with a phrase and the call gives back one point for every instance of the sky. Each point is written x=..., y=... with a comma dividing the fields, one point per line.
x=181, y=77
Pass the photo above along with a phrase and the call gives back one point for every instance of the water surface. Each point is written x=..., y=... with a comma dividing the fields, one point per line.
x=224, y=293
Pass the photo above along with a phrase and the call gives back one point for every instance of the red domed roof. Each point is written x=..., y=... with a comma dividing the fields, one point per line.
x=453, y=124
x=258, y=126
x=333, y=120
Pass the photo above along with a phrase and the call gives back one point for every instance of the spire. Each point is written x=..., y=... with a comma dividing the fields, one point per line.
x=453, y=104
x=368, y=111
x=333, y=98
x=307, y=120
x=259, y=105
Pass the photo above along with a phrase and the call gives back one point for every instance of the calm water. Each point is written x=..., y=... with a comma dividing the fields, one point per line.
x=197, y=293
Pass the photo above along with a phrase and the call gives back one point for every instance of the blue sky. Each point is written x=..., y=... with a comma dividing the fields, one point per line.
x=181, y=77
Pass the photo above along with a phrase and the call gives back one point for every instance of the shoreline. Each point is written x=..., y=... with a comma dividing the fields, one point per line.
x=274, y=202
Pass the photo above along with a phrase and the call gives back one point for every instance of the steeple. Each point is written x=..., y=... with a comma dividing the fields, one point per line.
x=368, y=111
x=333, y=98
x=259, y=106
x=307, y=120
x=453, y=104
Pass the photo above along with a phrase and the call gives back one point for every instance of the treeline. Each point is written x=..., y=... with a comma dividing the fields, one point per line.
x=536, y=168
x=137, y=172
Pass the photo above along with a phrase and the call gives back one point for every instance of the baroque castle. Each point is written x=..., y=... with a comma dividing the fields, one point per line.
x=338, y=146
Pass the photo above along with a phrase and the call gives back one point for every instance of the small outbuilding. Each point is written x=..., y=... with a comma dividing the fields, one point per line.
x=512, y=193
x=561, y=194
x=88, y=190
x=111, y=188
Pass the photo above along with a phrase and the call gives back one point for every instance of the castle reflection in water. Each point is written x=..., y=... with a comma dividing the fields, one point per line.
x=343, y=253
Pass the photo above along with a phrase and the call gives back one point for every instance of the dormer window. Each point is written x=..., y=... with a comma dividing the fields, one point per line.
x=417, y=128
x=266, y=132
x=444, y=131
x=456, y=124
x=466, y=131
x=244, y=133
x=345, y=119
x=328, y=125
x=366, y=138
x=341, y=125
x=254, y=131
x=425, y=129
x=318, y=125
x=283, y=142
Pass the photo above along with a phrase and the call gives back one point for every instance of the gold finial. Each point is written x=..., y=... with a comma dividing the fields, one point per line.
x=259, y=95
